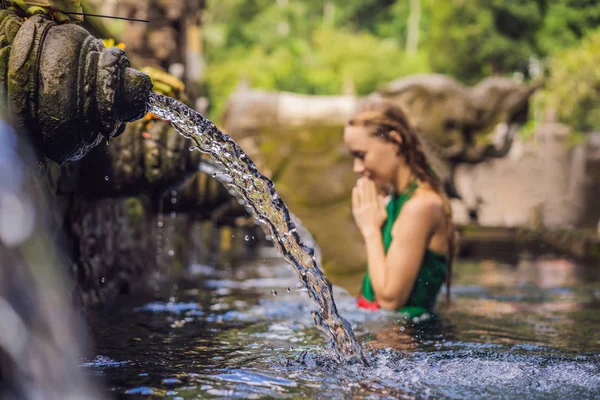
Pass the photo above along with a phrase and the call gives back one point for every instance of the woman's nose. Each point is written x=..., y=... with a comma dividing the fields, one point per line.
x=359, y=167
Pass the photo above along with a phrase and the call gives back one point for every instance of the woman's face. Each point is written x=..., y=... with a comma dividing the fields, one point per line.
x=374, y=157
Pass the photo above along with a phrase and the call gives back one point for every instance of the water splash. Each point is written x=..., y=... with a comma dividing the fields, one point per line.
x=258, y=192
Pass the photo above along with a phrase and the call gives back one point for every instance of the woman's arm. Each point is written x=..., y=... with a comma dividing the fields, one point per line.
x=393, y=276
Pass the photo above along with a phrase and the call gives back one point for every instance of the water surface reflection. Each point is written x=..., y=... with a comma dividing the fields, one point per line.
x=529, y=330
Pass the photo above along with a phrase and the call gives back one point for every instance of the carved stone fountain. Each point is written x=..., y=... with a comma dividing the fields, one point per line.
x=63, y=87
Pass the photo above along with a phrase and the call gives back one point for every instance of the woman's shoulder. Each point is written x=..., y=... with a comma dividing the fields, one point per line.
x=424, y=207
x=424, y=200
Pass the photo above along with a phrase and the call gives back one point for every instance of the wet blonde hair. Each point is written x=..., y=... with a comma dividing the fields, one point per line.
x=381, y=118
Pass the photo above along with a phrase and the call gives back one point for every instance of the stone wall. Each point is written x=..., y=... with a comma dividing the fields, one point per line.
x=543, y=182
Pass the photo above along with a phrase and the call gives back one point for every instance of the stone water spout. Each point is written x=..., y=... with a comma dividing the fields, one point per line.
x=63, y=87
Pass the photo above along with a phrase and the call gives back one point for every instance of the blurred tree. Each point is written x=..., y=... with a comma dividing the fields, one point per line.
x=566, y=22
x=305, y=46
x=471, y=39
x=334, y=46
x=573, y=89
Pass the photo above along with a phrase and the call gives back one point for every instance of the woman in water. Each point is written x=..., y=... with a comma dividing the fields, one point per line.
x=410, y=241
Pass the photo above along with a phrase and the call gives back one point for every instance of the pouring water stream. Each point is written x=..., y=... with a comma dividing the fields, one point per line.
x=265, y=205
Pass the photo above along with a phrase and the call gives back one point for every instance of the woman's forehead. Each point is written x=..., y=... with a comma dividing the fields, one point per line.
x=356, y=134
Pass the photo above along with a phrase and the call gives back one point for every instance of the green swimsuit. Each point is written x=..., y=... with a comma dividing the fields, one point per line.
x=432, y=272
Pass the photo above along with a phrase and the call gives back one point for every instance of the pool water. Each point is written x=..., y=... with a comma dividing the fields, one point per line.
x=243, y=329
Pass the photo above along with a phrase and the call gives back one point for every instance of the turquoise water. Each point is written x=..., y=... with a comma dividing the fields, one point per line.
x=526, y=331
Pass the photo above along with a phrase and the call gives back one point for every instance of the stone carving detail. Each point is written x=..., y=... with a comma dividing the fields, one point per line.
x=64, y=87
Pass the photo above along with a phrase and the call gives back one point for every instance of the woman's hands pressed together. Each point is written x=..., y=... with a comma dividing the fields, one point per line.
x=368, y=207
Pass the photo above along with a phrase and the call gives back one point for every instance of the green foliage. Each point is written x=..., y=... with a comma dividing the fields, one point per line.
x=471, y=39
x=526, y=132
x=297, y=47
x=566, y=22
x=573, y=89
x=334, y=47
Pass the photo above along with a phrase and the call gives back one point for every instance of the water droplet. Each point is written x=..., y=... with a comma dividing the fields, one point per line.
x=173, y=214
x=106, y=178
x=274, y=292
x=173, y=200
x=289, y=290
x=103, y=279
x=246, y=238
x=159, y=224
x=173, y=193
x=171, y=252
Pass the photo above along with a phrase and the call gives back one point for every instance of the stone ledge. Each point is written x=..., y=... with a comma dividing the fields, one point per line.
x=509, y=243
